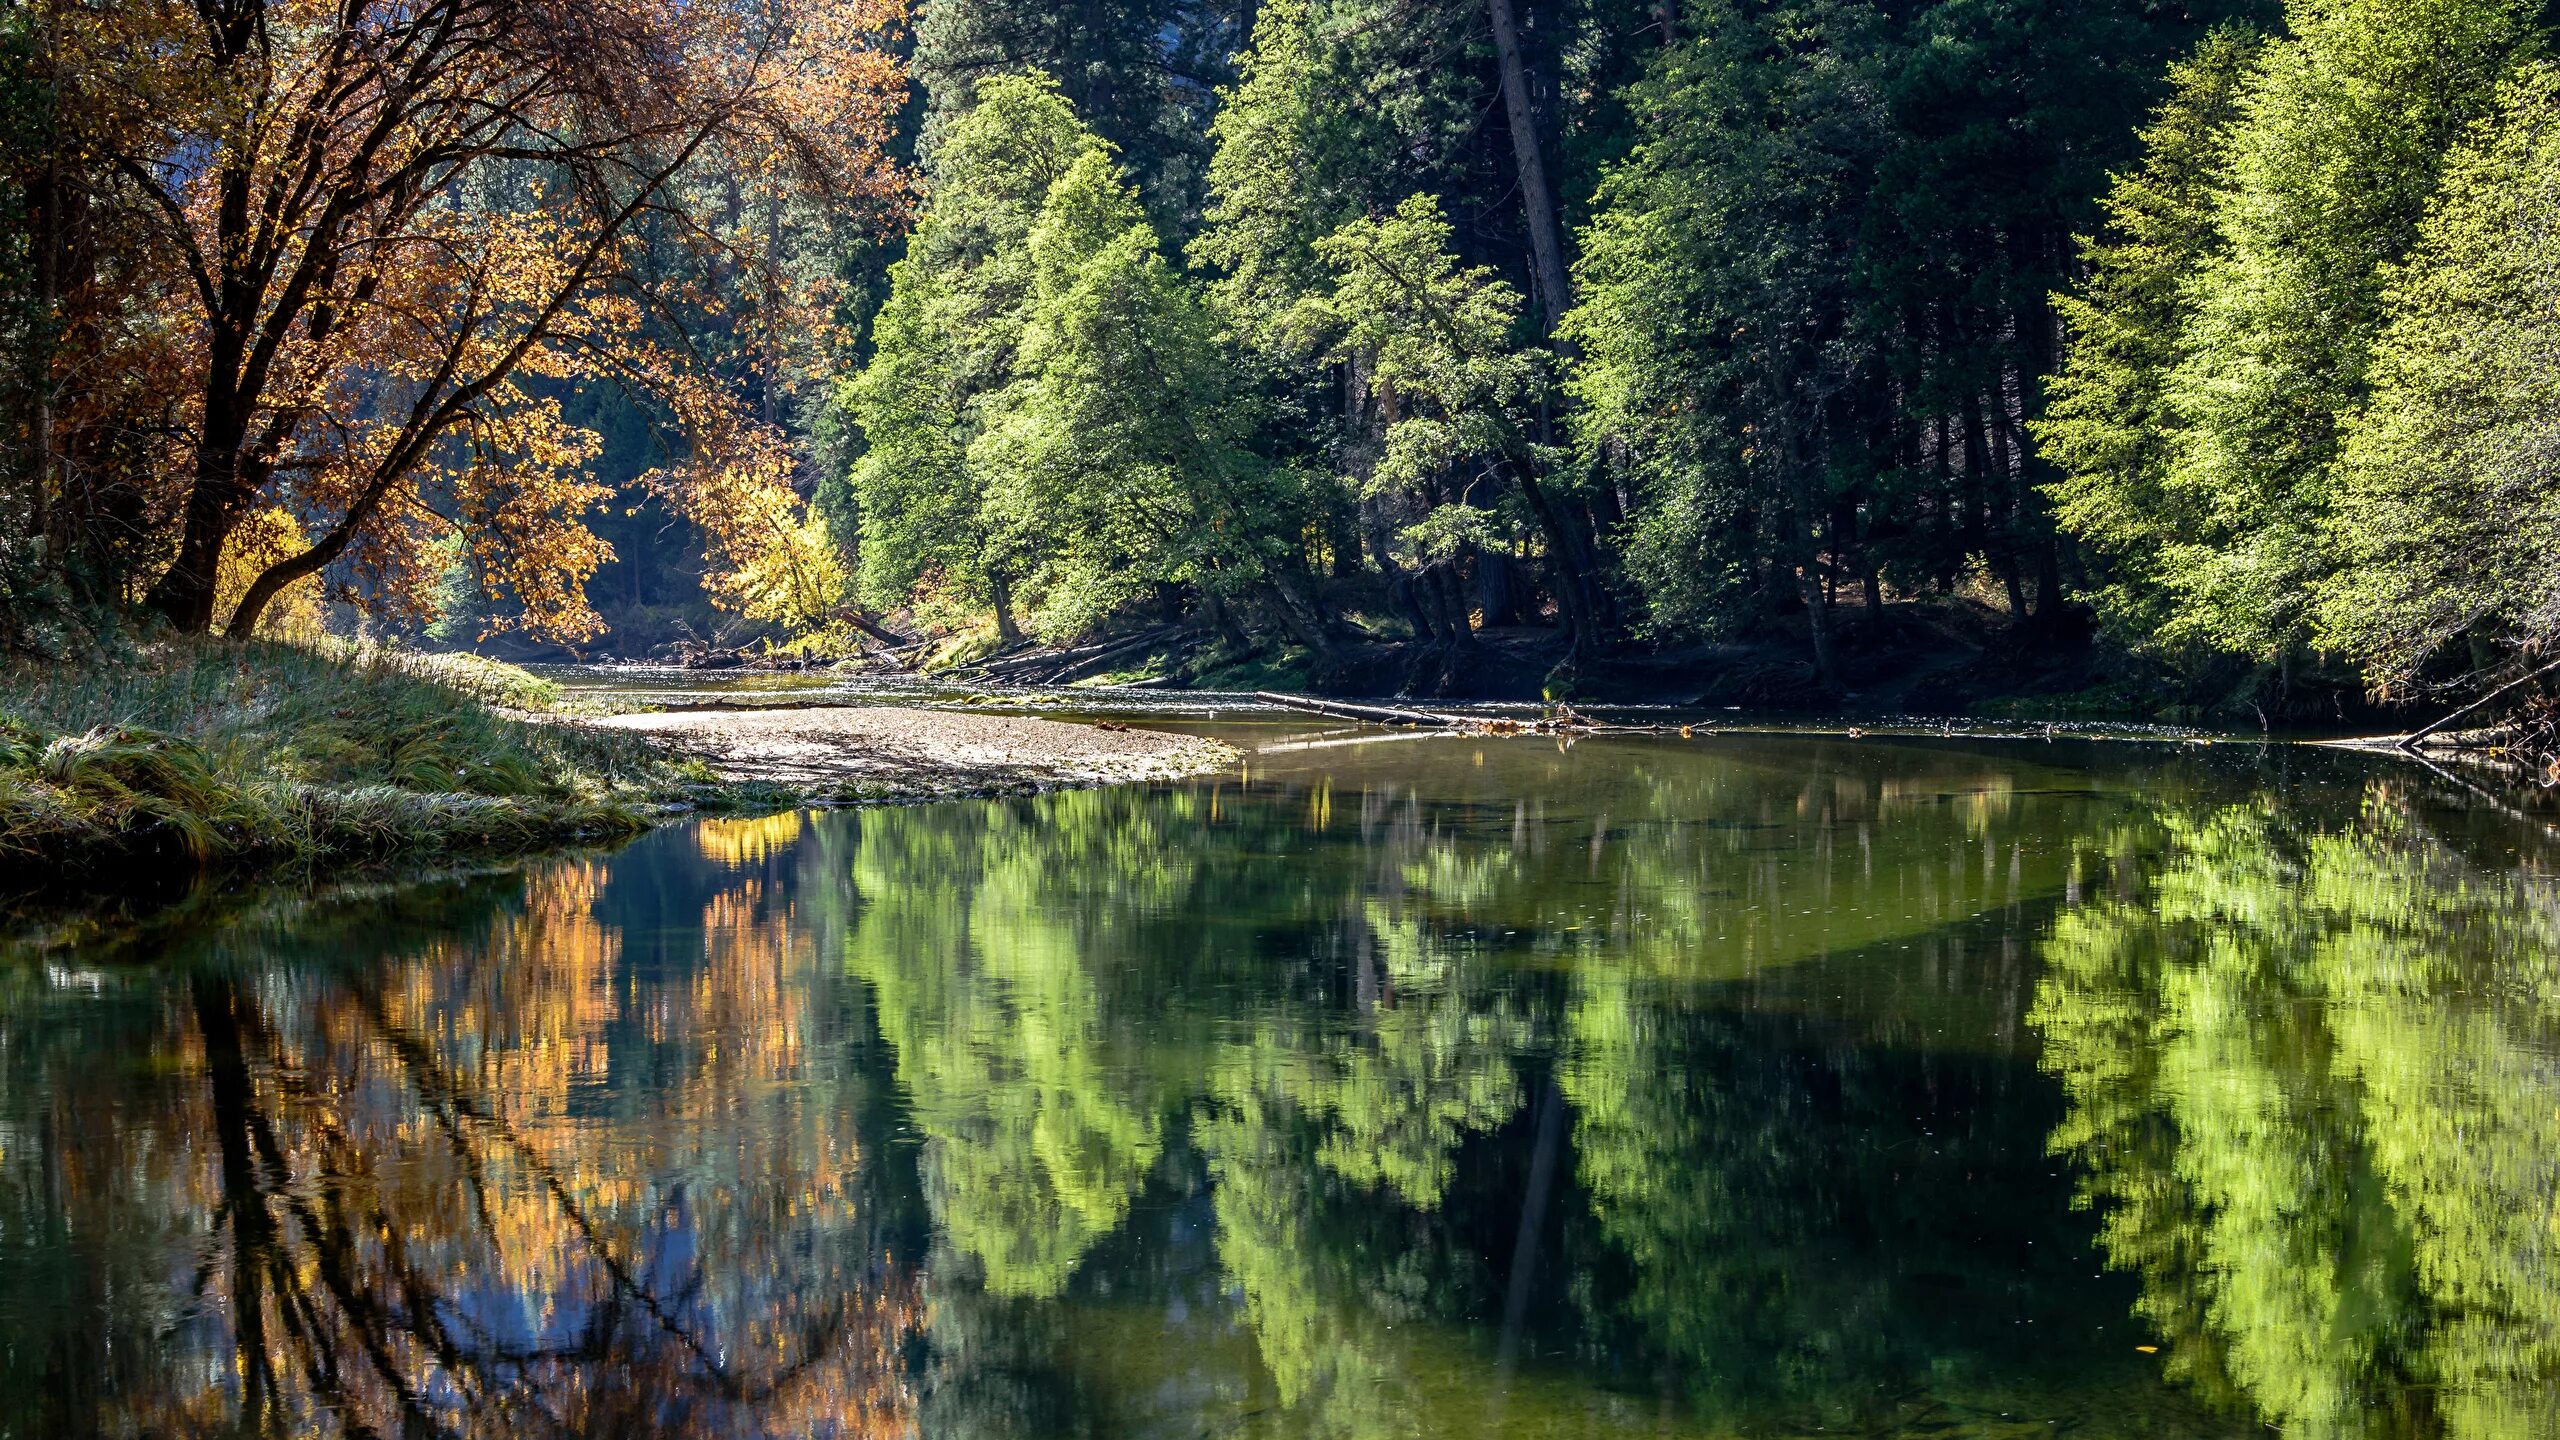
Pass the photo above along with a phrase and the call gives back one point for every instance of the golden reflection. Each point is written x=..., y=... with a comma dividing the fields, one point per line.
x=407, y=1218
x=739, y=843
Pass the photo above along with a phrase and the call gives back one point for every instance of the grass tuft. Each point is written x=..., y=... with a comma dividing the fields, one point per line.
x=205, y=751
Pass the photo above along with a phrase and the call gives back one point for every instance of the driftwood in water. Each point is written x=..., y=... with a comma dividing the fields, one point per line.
x=1562, y=720
x=2410, y=740
x=1373, y=714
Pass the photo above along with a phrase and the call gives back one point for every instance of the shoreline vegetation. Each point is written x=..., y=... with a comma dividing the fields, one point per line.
x=188, y=755
x=2185, y=363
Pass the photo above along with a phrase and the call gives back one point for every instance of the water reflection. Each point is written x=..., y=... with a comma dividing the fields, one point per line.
x=473, y=1165
x=1437, y=1088
x=2313, y=1081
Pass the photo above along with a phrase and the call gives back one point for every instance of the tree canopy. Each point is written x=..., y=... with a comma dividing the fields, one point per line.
x=2207, y=325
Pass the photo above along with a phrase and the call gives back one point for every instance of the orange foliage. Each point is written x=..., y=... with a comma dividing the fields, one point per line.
x=380, y=240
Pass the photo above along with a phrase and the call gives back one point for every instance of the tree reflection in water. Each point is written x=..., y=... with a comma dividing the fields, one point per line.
x=1626, y=1090
x=2315, y=1085
x=401, y=1208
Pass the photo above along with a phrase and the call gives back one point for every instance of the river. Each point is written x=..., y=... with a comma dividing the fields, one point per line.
x=1423, y=1085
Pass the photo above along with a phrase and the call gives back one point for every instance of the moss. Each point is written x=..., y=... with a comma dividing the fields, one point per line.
x=202, y=752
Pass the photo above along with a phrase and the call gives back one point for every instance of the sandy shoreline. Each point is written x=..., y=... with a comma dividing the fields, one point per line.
x=886, y=752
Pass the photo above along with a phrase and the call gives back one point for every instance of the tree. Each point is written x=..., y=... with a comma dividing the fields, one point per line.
x=2111, y=430
x=1725, y=366
x=946, y=341
x=1131, y=496
x=2341, y=135
x=1459, y=396
x=394, y=227
x=1007, y=456
x=1814, y=300
x=2446, y=510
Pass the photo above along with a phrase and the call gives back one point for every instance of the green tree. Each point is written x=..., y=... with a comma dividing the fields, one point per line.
x=1128, y=496
x=2111, y=429
x=947, y=340
x=1460, y=396
x=2340, y=139
x=1724, y=368
x=2446, y=511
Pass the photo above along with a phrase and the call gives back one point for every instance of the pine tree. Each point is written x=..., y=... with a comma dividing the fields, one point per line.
x=1116, y=455
x=2110, y=429
x=946, y=341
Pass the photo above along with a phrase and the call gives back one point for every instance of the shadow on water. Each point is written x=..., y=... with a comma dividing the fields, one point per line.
x=1773, y=1087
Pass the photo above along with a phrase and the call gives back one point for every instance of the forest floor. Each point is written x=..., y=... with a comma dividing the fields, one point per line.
x=896, y=753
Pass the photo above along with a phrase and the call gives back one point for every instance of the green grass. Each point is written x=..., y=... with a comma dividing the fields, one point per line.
x=199, y=752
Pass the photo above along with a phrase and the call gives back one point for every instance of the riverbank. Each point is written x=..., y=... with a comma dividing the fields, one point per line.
x=179, y=756
x=174, y=755
x=887, y=753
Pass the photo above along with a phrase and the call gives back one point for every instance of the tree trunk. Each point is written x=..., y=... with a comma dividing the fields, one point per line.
x=863, y=621
x=184, y=592
x=2050, y=594
x=1818, y=621
x=1002, y=594
x=1301, y=618
x=1569, y=547
x=1493, y=585
x=50, y=232
x=1546, y=228
x=1577, y=599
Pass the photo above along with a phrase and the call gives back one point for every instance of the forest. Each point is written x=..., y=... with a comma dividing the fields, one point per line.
x=2177, y=358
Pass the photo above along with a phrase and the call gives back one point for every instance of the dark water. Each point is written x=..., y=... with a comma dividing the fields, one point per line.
x=1430, y=1086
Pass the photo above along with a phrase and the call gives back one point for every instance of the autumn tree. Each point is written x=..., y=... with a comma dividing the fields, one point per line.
x=398, y=232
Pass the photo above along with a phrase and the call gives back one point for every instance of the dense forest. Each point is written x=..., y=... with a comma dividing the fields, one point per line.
x=2188, y=357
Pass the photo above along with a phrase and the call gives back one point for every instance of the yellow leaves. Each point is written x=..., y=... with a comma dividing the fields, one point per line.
x=768, y=557
x=736, y=844
x=263, y=539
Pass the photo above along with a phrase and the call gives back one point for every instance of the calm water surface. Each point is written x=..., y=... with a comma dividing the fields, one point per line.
x=1430, y=1086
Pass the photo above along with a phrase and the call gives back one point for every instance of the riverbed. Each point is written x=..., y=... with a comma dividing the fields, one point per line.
x=1376, y=1084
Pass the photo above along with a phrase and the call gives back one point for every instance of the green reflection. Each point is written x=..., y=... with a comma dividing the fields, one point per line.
x=976, y=932
x=1411, y=1089
x=2314, y=1087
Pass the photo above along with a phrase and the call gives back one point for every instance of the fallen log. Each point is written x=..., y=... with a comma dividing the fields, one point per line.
x=2410, y=740
x=877, y=631
x=1373, y=714
x=1093, y=664
x=1001, y=657
x=1011, y=661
